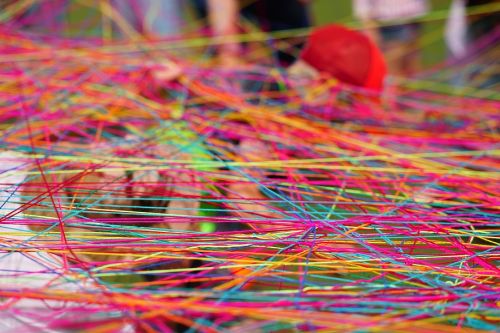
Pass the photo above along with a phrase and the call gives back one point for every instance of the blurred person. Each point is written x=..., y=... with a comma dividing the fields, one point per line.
x=467, y=38
x=463, y=30
x=270, y=15
x=344, y=54
x=391, y=24
x=152, y=18
x=331, y=51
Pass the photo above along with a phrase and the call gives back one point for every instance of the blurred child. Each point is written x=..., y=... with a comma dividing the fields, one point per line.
x=269, y=15
x=344, y=54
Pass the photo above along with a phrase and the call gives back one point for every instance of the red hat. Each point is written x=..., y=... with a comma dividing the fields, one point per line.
x=347, y=55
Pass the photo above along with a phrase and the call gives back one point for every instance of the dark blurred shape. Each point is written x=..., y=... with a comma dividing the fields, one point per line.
x=481, y=25
x=270, y=15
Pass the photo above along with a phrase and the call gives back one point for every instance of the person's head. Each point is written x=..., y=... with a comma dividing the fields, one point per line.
x=347, y=55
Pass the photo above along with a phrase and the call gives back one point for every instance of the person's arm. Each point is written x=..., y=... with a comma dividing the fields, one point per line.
x=223, y=18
